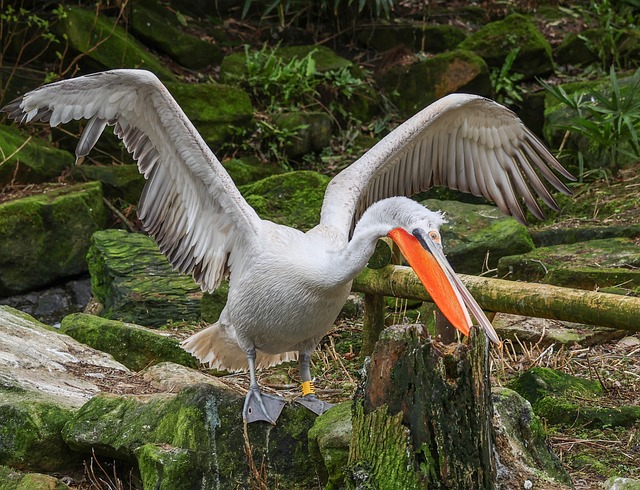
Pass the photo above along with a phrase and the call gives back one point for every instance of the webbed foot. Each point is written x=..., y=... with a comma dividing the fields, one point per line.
x=261, y=406
x=313, y=403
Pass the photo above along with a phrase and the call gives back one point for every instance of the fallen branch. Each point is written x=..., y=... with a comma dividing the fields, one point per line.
x=520, y=298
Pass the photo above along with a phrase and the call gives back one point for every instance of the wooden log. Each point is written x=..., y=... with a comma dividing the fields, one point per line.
x=520, y=298
x=422, y=416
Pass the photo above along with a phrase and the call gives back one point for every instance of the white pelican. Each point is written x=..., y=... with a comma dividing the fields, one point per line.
x=287, y=287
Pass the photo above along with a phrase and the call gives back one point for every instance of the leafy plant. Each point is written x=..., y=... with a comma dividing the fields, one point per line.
x=505, y=84
x=607, y=122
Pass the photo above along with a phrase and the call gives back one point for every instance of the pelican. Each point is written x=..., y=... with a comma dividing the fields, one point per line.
x=287, y=287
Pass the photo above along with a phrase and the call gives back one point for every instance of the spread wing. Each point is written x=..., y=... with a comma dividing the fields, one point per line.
x=463, y=142
x=189, y=204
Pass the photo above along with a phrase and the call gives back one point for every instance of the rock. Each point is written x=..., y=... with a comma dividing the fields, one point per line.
x=134, y=346
x=292, y=199
x=194, y=439
x=104, y=44
x=544, y=332
x=575, y=48
x=386, y=35
x=566, y=400
x=46, y=236
x=311, y=131
x=15, y=480
x=559, y=236
x=524, y=454
x=40, y=390
x=136, y=284
x=477, y=235
x=29, y=160
x=494, y=41
x=594, y=264
x=172, y=378
x=249, y=169
x=619, y=483
x=52, y=304
x=216, y=110
x=329, y=445
x=118, y=181
x=413, y=86
x=38, y=364
x=155, y=25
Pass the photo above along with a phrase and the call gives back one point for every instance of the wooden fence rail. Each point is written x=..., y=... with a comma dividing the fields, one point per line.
x=499, y=295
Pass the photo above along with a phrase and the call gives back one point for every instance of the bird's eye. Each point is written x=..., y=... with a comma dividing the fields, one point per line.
x=435, y=236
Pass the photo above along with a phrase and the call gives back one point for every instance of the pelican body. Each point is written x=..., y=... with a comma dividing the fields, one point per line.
x=287, y=287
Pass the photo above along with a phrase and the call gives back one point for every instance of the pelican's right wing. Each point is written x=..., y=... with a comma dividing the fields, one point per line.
x=461, y=141
x=189, y=204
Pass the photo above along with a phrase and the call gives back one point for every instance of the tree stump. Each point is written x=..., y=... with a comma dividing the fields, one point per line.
x=423, y=415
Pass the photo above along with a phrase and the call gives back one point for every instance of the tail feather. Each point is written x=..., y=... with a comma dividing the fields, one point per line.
x=218, y=347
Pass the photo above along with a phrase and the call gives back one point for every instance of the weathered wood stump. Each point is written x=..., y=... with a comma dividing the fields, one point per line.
x=423, y=415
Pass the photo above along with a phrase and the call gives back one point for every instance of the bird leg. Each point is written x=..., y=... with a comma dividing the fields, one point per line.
x=309, y=398
x=258, y=405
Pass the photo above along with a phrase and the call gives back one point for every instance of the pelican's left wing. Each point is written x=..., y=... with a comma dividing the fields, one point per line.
x=461, y=141
x=189, y=204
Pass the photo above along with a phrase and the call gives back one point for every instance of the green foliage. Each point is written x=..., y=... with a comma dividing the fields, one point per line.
x=319, y=10
x=505, y=83
x=278, y=85
x=613, y=21
x=605, y=123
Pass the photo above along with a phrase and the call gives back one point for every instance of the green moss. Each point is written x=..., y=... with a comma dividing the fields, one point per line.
x=250, y=169
x=33, y=161
x=133, y=346
x=163, y=466
x=292, y=199
x=30, y=436
x=415, y=86
x=536, y=383
x=106, y=43
x=329, y=444
x=14, y=480
x=216, y=110
x=494, y=41
x=118, y=181
x=46, y=236
x=135, y=282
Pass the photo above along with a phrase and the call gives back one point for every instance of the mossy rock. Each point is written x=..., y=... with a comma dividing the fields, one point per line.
x=311, y=131
x=46, y=236
x=474, y=231
x=11, y=479
x=591, y=265
x=118, y=181
x=213, y=303
x=216, y=110
x=105, y=43
x=414, y=86
x=329, y=445
x=194, y=438
x=134, y=346
x=34, y=161
x=156, y=27
x=575, y=48
x=250, y=169
x=522, y=443
x=385, y=35
x=135, y=282
x=494, y=41
x=559, y=236
x=30, y=436
x=567, y=400
x=293, y=199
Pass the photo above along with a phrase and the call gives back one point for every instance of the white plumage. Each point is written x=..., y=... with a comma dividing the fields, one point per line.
x=287, y=287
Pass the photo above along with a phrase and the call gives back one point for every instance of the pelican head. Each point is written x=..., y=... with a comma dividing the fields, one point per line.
x=416, y=231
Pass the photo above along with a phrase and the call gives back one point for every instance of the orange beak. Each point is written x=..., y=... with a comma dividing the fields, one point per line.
x=427, y=259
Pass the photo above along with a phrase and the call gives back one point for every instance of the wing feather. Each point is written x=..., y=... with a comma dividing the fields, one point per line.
x=463, y=142
x=189, y=204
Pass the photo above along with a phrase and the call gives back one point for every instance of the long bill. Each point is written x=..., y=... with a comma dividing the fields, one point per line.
x=431, y=266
